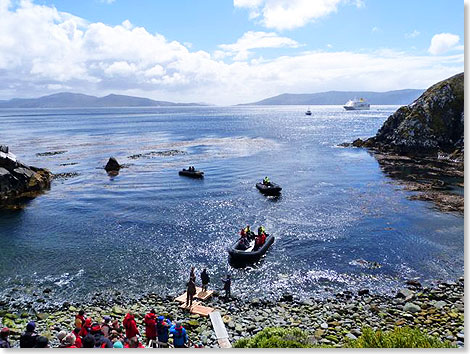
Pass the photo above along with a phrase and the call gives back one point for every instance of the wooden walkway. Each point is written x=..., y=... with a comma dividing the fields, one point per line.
x=196, y=307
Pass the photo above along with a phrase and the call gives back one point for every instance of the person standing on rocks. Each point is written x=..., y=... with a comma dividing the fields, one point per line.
x=28, y=338
x=80, y=319
x=150, y=322
x=190, y=292
x=205, y=279
x=227, y=286
x=163, y=331
x=105, y=326
x=4, y=342
x=130, y=325
x=180, y=337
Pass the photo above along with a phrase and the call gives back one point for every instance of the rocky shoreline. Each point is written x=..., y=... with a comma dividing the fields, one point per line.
x=422, y=145
x=437, y=310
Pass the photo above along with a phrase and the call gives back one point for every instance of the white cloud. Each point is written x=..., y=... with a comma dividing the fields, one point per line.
x=43, y=50
x=290, y=14
x=375, y=29
x=413, y=34
x=252, y=40
x=107, y=1
x=444, y=42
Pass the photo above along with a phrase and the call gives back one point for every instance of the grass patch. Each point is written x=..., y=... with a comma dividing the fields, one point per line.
x=400, y=337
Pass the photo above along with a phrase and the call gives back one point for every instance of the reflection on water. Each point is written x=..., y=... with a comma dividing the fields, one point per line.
x=142, y=229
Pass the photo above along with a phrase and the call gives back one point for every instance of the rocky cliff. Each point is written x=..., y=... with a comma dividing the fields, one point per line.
x=431, y=124
x=20, y=182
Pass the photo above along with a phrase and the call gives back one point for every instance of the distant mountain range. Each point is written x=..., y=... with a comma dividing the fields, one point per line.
x=398, y=97
x=72, y=100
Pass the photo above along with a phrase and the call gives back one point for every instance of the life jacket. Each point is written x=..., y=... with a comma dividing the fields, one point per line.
x=262, y=239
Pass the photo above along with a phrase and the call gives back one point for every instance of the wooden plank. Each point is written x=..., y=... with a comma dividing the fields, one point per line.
x=199, y=294
x=201, y=310
x=204, y=295
x=183, y=305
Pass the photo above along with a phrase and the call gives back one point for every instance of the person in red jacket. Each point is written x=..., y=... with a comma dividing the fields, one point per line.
x=85, y=328
x=130, y=325
x=80, y=319
x=150, y=321
x=78, y=340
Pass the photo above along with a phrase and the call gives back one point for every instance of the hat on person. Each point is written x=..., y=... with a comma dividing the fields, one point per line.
x=69, y=339
x=5, y=331
x=95, y=328
x=61, y=335
x=107, y=318
x=30, y=326
x=118, y=344
x=161, y=318
x=178, y=324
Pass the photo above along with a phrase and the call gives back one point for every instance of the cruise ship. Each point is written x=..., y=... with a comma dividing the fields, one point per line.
x=356, y=105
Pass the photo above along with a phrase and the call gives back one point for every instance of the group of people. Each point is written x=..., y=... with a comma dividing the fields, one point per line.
x=108, y=334
x=191, y=285
x=246, y=236
x=191, y=169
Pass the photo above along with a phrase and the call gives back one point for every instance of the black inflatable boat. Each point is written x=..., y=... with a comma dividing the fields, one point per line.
x=193, y=174
x=269, y=189
x=239, y=256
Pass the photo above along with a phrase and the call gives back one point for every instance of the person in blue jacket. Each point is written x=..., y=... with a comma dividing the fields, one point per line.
x=163, y=328
x=180, y=337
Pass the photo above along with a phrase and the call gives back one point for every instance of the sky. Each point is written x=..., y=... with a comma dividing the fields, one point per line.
x=226, y=52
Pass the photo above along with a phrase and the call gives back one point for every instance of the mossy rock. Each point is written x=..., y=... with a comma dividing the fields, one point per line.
x=191, y=324
x=42, y=315
x=24, y=315
x=332, y=338
x=117, y=310
x=12, y=316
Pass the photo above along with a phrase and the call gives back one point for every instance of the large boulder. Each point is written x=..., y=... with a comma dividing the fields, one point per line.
x=432, y=123
x=112, y=165
x=19, y=182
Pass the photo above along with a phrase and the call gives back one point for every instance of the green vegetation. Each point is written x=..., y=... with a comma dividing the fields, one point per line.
x=400, y=337
x=405, y=337
x=277, y=338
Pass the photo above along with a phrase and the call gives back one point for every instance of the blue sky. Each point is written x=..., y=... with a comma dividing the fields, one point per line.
x=226, y=52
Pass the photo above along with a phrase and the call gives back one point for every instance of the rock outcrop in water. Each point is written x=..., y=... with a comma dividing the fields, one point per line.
x=433, y=123
x=20, y=182
x=112, y=165
x=422, y=145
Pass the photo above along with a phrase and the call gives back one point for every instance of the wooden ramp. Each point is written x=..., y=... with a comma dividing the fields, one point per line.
x=219, y=329
x=197, y=309
x=201, y=295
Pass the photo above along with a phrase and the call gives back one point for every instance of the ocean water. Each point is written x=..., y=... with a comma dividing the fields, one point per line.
x=142, y=230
